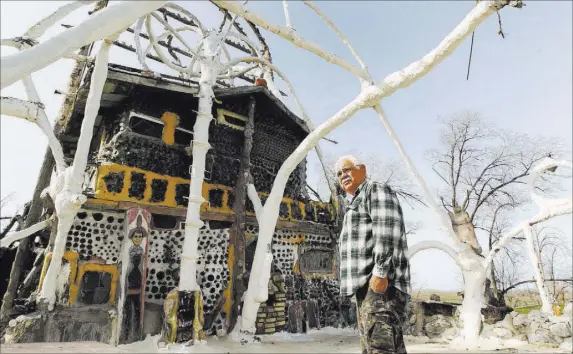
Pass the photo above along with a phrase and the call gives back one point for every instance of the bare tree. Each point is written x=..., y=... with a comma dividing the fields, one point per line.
x=481, y=168
x=553, y=252
x=504, y=270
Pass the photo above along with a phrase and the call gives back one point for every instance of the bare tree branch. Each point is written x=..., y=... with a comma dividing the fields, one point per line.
x=513, y=286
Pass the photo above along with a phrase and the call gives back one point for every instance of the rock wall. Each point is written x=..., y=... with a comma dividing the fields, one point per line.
x=440, y=322
x=535, y=327
x=62, y=325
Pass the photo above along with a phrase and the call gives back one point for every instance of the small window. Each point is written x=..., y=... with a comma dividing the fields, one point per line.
x=95, y=288
x=317, y=261
x=164, y=221
x=144, y=125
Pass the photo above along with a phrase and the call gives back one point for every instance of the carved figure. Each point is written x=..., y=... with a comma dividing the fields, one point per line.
x=134, y=275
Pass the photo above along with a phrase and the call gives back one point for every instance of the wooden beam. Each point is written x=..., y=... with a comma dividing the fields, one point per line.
x=237, y=235
x=150, y=82
x=297, y=226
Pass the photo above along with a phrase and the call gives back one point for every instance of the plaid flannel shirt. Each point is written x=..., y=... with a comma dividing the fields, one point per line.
x=373, y=240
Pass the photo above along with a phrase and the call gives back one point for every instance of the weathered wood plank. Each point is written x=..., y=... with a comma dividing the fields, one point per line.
x=237, y=236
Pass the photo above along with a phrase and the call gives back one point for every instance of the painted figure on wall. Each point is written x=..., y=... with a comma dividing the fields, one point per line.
x=134, y=260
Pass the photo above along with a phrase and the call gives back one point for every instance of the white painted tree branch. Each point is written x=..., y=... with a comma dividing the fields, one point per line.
x=170, y=5
x=209, y=62
x=173, y=31
x=255, y=50
x=19, y=42
x=378, y=108
x=41, y=27
x=426, y=245
x=45, y=125
x=139, y=49
x=342, y=37
x=287, y=15
x=18, y=108
x=66, y=190
x=254, y=197
x=237, y=71
x=502, y=242
x=18, y=235
x=288, y=34
x=429, y=197
x=102, y=24
x=159, y=52
x=420, y=68
x=93, y=103
x=536, y=263
x=548, y=207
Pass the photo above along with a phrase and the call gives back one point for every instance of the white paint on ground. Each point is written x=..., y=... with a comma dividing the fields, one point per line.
x=326, y=340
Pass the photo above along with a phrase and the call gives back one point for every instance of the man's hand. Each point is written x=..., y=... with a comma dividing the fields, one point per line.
x=379, y=285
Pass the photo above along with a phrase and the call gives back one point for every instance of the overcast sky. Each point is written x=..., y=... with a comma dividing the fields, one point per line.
x=522, y=82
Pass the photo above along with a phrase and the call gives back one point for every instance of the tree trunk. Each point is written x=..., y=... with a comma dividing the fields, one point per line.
x=474, y=274
x=537, y=267
x=189, y=255
x=238, y=231
x=24, y=252
x=498, y=295
x=464, y=229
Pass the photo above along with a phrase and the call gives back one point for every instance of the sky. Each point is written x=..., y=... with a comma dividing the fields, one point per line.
x=522, y=83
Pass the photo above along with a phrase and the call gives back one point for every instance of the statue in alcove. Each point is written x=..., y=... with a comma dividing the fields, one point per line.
x=133, y=276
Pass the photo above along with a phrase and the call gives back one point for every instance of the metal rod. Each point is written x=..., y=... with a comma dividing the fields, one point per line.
x=470, y=61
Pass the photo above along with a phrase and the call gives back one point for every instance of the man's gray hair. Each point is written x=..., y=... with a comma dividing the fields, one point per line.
x=338, y=165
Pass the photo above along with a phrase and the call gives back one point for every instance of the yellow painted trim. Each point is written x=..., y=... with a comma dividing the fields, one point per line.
x=103, y=202
x=198, y=319
x=221, y=113
x=95, y=267
x=227, y=292
x=171, y=318
x=106, y=197
x=299, y=238
x=171, y=121
x=72, y=258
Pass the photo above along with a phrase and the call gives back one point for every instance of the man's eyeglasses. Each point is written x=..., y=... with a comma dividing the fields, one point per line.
x=344, y=171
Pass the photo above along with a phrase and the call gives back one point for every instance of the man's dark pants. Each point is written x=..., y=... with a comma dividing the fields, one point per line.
x=380, y=320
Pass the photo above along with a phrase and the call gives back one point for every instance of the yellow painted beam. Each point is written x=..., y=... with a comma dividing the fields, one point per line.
x=105, y=196
x=171, y=121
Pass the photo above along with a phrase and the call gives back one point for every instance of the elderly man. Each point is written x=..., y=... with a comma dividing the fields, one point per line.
x=374, y=265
